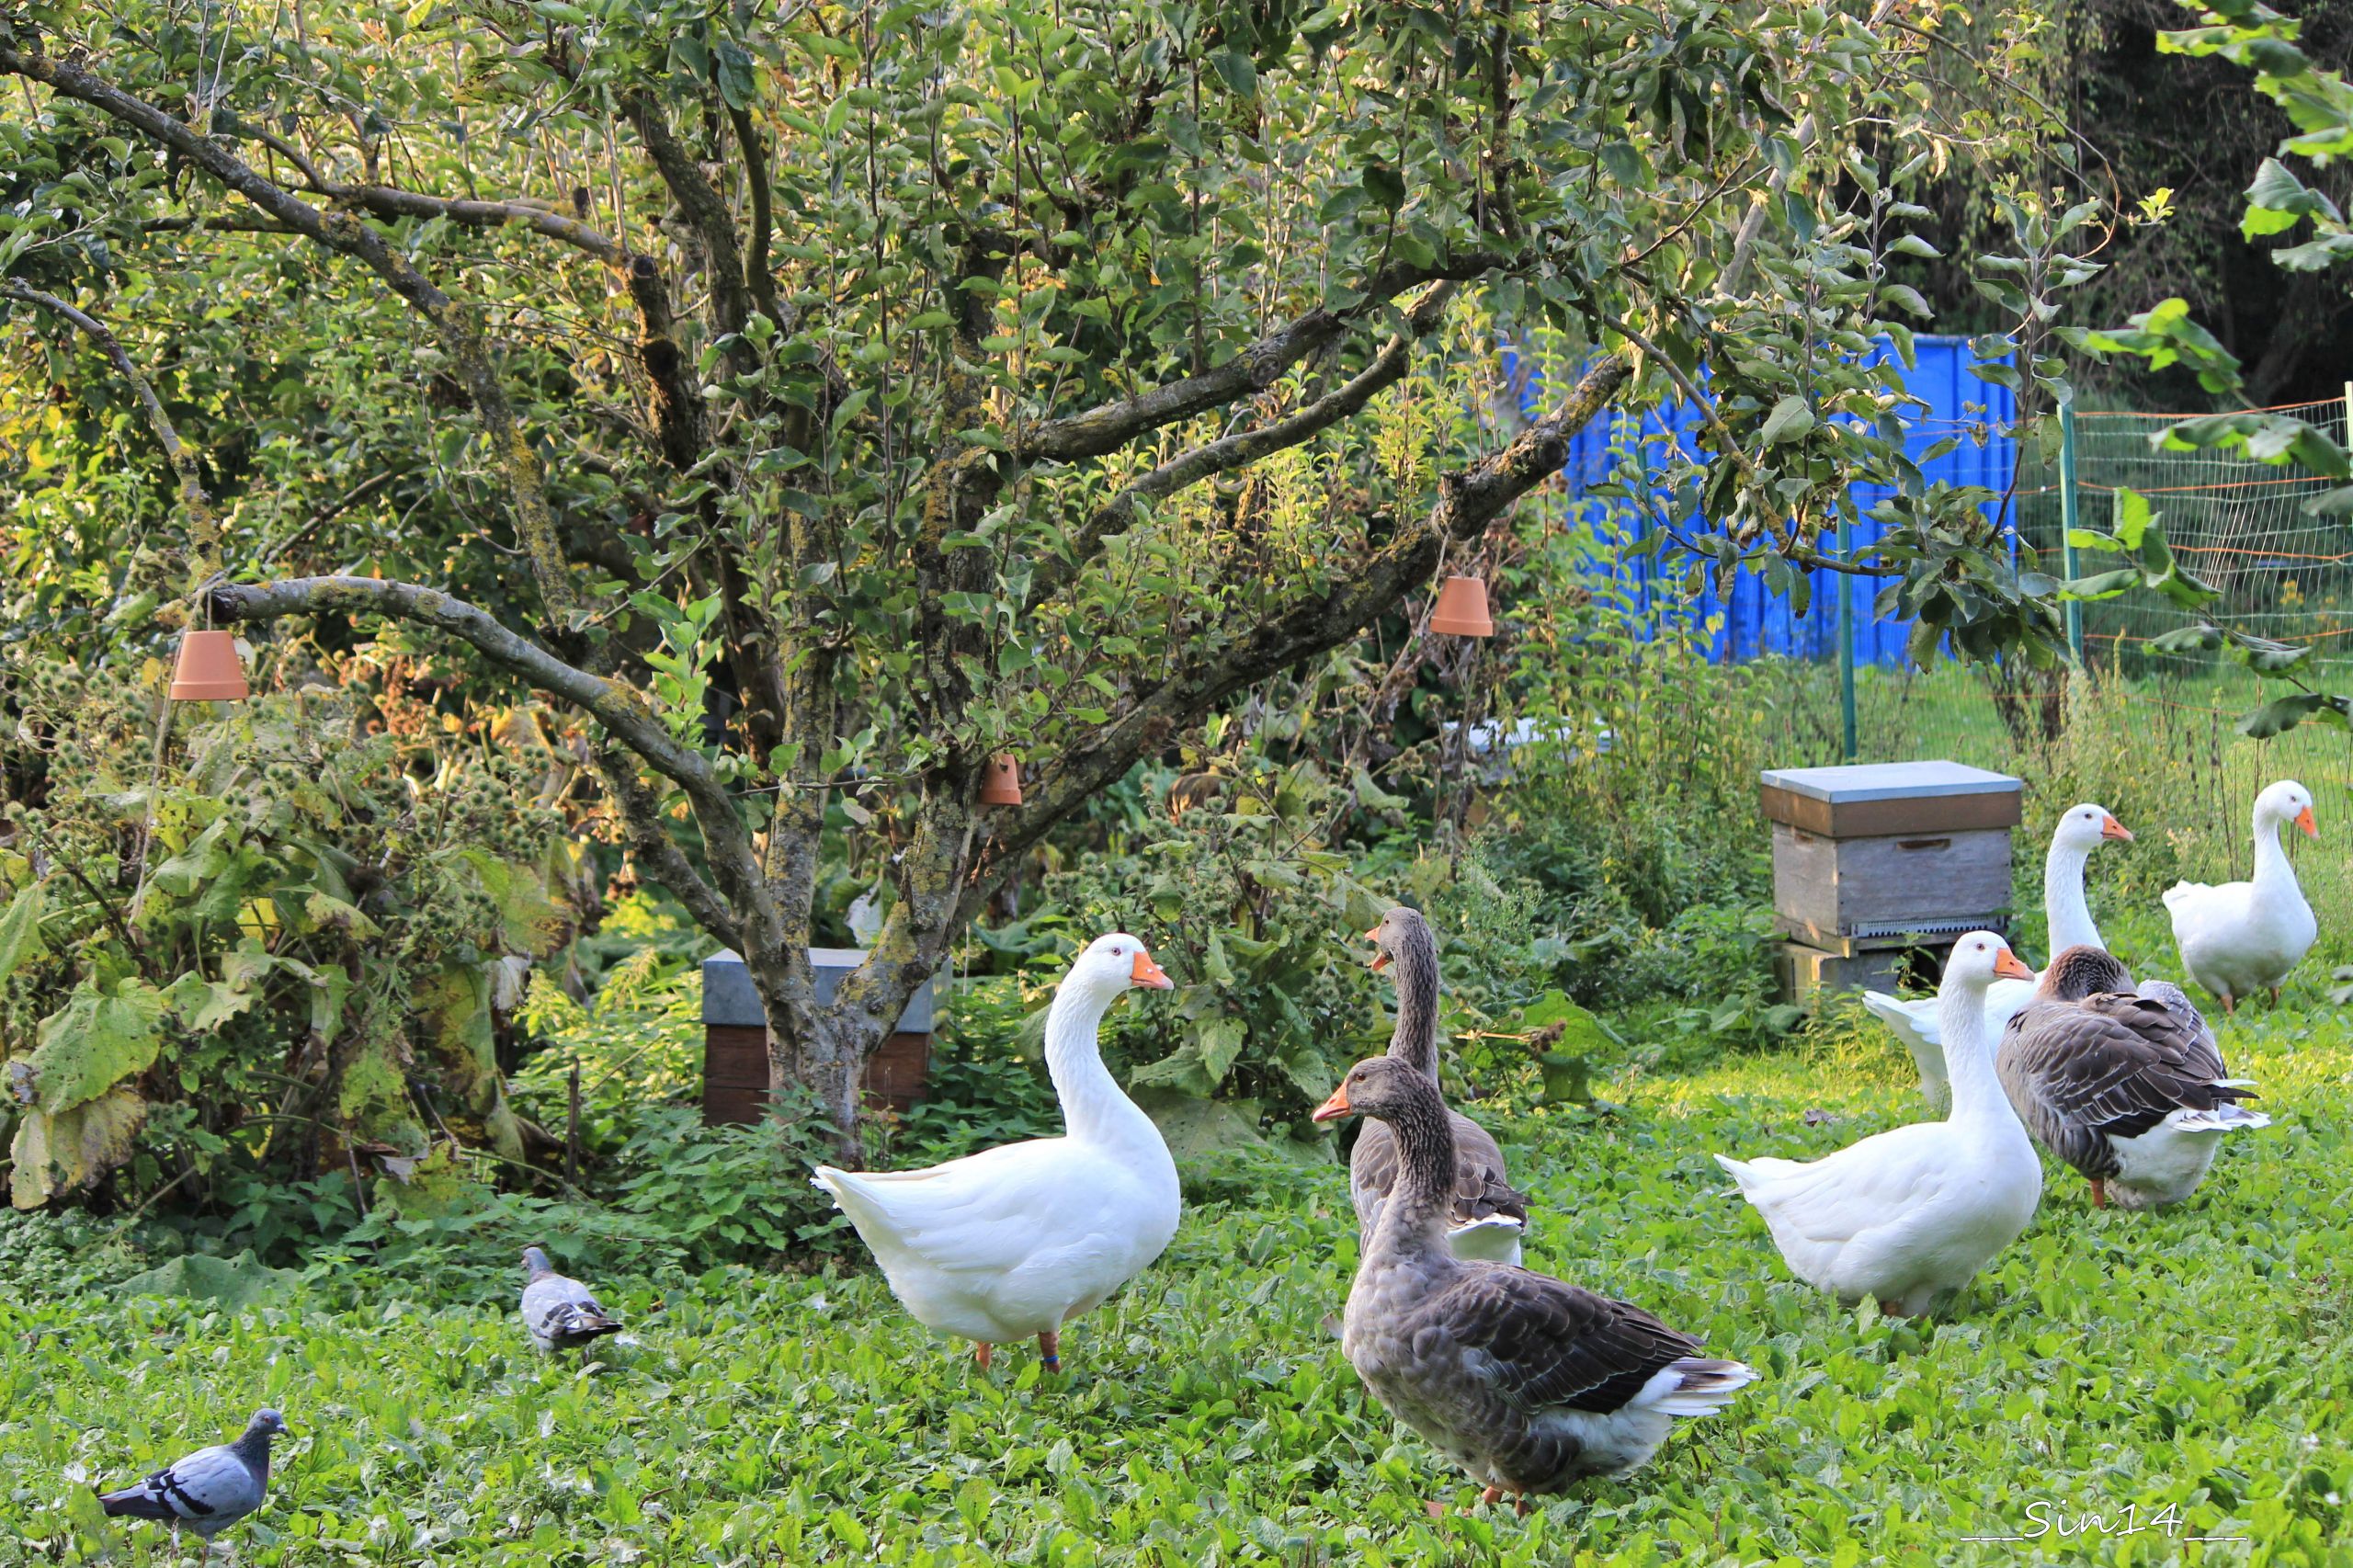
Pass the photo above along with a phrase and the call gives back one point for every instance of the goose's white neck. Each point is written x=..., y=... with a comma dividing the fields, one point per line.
x=2066, y=913
x=2272, y=869
x=1095, y=1111
x=1978, y=1099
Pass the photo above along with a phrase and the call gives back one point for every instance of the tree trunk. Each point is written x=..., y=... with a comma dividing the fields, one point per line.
x=822, y=1050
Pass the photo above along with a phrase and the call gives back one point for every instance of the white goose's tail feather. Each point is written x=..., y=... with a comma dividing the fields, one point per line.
x=2175, y=895
x=1892, y=1011
x=1702, y=1386
x=2223, y=1118
x=1760, y=1172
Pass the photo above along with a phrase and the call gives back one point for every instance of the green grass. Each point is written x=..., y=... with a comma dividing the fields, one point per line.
x=2202, y=1358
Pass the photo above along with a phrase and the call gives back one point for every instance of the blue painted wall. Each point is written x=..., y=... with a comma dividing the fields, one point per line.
x=1751, y=621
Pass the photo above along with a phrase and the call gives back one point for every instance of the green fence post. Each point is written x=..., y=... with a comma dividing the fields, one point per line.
x=1846, y=644
x=2067, y=522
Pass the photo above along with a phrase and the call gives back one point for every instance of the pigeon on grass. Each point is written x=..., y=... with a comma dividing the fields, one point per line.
x=559, y=1311
x=210, y=1490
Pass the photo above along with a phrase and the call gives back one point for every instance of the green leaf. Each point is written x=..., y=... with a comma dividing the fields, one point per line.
x=736, y=82
x=1904, y=297
x=1789, y=421
x=98, y=1040
x=1384, y=186
x=1240, y=72
x=2202, y=638
x=20, y=929
x=2281, y=714
x=2132, y=516
x=205, y=1004
x=1221, y=1039
x=2100, y=585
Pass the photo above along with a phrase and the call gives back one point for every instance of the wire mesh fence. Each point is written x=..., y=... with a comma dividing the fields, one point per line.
x=2283, y=574
x=2168, y=721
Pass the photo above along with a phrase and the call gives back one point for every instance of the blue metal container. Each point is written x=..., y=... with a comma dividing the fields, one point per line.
x=1751, y=619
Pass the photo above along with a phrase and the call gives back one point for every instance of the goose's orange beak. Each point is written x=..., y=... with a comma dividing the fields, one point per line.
x=1335, y=1108
x=2304, y=820
x=2009, y=963
x=1146, y=972
x=1379, y=959
x=2110, y=828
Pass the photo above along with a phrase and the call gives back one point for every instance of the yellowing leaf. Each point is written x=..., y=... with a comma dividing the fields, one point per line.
x=324, y=910
x=62, y=1151
x=96, y=1041
x=205, y=1004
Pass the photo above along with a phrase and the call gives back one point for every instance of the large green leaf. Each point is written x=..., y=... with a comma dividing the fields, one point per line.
x=2284, y=713
x=57, y=1153
x=96, y=1041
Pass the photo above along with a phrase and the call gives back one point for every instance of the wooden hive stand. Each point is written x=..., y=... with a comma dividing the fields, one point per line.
x=735, y=1040
x=1877, y=867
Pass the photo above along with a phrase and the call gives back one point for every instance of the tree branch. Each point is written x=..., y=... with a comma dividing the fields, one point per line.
x=706, y=211
x=206, y=528
x=386, y=202
x=1227, y=453
x=534, y=519
x=756, y=276
x=619, y=709
x=1106, y=429
x=641, y=818
x=1468, y=503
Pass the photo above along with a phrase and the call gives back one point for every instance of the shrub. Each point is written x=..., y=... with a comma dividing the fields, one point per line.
x=268, y=947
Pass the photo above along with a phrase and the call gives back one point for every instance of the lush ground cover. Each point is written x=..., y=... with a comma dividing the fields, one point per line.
x=2200, y=1360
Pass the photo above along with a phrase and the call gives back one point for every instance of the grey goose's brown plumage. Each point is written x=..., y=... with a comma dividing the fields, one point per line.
x=1527, y=1382
x=1490, y=1215
x=2126, y=1085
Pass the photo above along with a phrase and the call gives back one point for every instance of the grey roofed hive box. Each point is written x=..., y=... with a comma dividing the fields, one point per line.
x=1882, y=855
x=735, y=1038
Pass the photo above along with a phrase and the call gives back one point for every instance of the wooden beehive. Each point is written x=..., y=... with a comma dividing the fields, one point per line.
x=735, y=1040
x=1884, y=855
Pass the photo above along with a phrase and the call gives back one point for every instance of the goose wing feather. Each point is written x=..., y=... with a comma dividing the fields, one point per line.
x=2109, y=1066
x=977, y=1215
x=1544, y=1343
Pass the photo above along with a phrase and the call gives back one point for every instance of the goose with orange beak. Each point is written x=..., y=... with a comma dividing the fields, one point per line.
x=2067, y=923
x=2236, y=938
x=1490, y=1215
x=1908, y=1217
x=1017, y=1240
x=1527, y=1382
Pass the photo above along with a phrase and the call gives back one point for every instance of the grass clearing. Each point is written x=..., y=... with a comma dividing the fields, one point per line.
x=2199, y=1359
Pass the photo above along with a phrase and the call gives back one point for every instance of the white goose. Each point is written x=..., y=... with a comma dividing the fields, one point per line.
x=2067, y=918
x=2242, y=937
x=1017, y=1240
x=1911, y=1214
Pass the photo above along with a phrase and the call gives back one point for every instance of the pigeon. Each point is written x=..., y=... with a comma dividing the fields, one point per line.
x=210, y=1490
x=559, y=1311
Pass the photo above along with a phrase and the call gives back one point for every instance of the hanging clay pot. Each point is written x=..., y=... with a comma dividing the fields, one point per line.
x=1002, y=787
x=208, y=669
x=1462, y=610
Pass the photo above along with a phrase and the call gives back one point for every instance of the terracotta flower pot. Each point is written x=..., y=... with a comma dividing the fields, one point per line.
x=208, y=670
x=1003, y=784
x=1462, y=610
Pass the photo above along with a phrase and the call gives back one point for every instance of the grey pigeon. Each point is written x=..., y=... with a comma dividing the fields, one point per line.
x=210, y=1490
x=559, y=1311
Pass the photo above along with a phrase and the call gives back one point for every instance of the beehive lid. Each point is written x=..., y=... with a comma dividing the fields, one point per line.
x=1871, y=799
x=729, y=998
